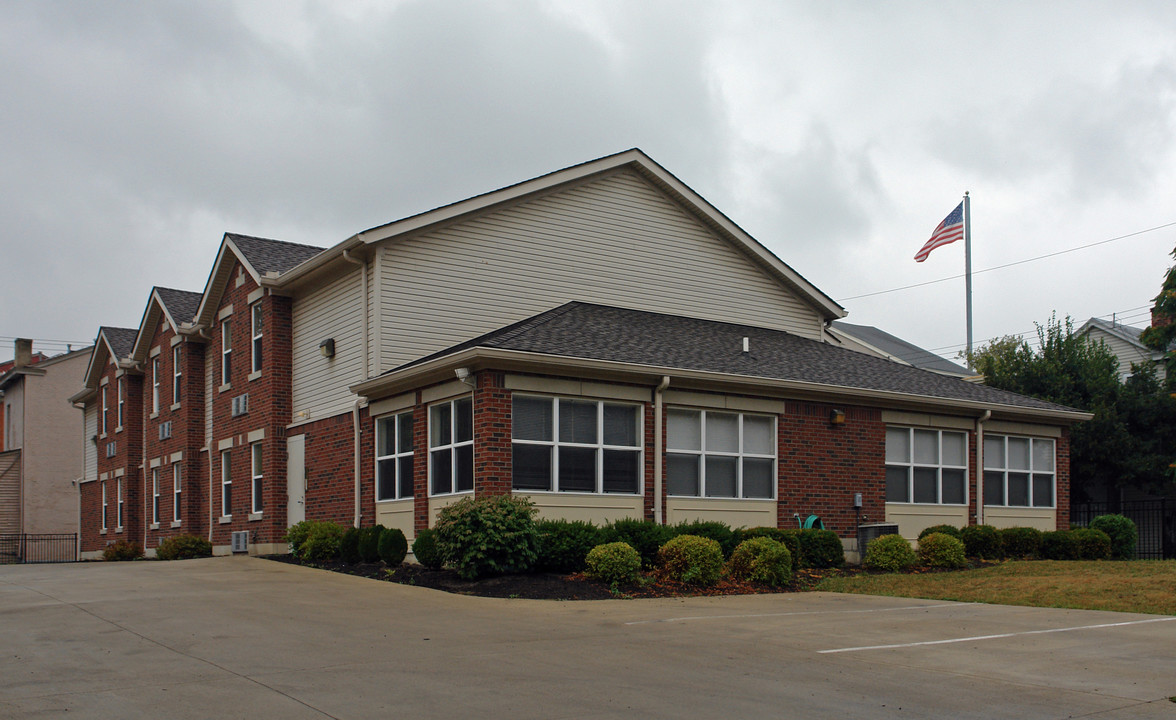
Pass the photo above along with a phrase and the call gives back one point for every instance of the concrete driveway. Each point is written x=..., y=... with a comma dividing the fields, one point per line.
x=242, y=637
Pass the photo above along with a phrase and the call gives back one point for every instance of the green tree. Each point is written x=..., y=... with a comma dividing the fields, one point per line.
x=1162, y=334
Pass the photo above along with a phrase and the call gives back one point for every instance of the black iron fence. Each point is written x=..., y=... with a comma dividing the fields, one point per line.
x=18, y=548
x=1155, y=520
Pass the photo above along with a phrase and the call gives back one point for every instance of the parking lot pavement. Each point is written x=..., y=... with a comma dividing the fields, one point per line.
x=245, y=637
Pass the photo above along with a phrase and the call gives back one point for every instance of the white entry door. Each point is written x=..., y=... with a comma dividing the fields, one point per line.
x=295, y=479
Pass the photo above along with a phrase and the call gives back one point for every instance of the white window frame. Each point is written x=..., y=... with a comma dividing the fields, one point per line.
x=598, y=447
x=122, y=394
x=257, y=331
x=226, y=351
x=177, y=491
x=104, y=506
x=154, y=496
x=119, y=506
x=910, y=465
x=701, y=453
x=1002, y=469
x=256, y=478
x=393, y=460
x=177, y=374
x=452, y=447
x=105, y=411
x=155, y=368
x=226, y=484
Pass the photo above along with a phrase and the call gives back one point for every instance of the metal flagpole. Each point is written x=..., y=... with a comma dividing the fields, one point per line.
x=968, y=268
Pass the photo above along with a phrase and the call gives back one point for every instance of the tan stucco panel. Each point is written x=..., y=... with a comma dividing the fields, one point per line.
x=1003, y=517
x=913, y=519
x=597, y=509
x=397, y=514
x=736, y=513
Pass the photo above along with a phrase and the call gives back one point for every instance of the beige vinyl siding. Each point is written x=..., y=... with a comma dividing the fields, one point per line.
x=89, y=447
x=333, y=310
x=614, y=241
x=1125, y=352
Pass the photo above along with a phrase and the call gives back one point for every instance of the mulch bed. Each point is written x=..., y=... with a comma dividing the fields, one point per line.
x=553, y=586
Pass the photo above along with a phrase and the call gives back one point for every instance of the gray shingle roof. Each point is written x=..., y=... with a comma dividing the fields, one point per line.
x=122, y=340
x=182, y=304
x=901, y=349
x=600, y=332
x=273, y=255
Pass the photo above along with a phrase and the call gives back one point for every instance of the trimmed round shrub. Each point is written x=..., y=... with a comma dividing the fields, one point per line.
x=820, y=549
x=1123, y=534
x=1059, y=545
x=297, y=533
x=789, y=537
x=484, y=536
x=369, y=543
x=122, y=550
x=393, y=546
x=761, y=560
x=1020, y=542
x=425, y=550
x=321, y=543
x=615, y=563
x=692, y=560
x=889, y=553
x=981, y=541
x=942, y=551
x=644, y=536
x=564, y=544
x=945, y=529
x=349, y=545
x=184, y=547
x=1092, y=544
x=720, y=532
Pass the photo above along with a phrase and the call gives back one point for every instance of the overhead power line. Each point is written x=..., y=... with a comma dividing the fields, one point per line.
x=1007, y=265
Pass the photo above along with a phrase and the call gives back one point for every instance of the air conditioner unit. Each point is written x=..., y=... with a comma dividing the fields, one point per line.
x=240, y=405
x=870, y=531
x=240, y=541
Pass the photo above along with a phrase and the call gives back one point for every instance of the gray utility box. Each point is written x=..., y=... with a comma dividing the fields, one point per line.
x=869, y=531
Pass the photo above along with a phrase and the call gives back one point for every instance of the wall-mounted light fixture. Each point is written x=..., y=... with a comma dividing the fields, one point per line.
x=463, y=375
x=327, y=348
x=837, y=417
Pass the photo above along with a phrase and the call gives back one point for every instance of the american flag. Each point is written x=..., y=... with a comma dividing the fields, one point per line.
x=950, y=230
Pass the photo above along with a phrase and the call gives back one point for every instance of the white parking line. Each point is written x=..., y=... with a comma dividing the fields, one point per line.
x=995, y=637
x=788, y=614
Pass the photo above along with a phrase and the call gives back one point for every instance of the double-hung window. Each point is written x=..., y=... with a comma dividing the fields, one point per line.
x=584, y=446
x=256, y=477
x=720, y=454
x=1018, y=471
x=105, y=409
x=103, y=506
x=154, y=496
x=926, y=466
x=226, y=485
x=176, y=490
x=256, y=333
x=451, y=446
x=155, y=380
x=119, y=505
x=394, y=472
x=226, y=351
x=122, y=395
x=177, y=374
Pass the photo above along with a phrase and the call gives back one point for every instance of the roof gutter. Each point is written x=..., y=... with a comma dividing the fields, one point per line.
x=317, y=262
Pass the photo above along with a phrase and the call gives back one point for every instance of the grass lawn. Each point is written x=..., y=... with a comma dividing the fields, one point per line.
x=1140, y=586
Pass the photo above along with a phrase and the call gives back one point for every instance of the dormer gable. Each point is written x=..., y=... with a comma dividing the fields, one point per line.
x=176, y=308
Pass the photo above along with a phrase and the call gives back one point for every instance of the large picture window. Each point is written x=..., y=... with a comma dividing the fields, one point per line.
x=1018, y=471
x=926, y=466
x=585, y=446
x=451, y=446
x=394, y=471
x=720, y=454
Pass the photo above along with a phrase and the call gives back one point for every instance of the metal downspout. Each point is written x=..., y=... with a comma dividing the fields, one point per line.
x=355, y=410
x=980, y=465
x=658, y=450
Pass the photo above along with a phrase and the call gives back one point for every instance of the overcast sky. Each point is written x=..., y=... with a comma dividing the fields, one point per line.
x=134, y=134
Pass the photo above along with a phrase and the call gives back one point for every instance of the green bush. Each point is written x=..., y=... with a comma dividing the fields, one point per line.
x=1059, y=545
x=1020, y=542
x=564, y=544
x=321, y=543
x=349, y=545
x=789, y=537
x=615, y=563
x=425, y=550
x=183, y=547
x=392, y=546
x=488, y=535
x=945, y=529
x=122, y=550
x=369, y=543
x=644, y=536
x=1092, y=544
x=942, y=550
x=1122, y=532
x=889, y=553
x=761, y=560
x=297, y=533
x=692, y=560
x=720, y=532
x=982, y=541
x=821, y=549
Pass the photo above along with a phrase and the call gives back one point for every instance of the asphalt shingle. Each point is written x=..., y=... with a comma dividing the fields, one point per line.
x=182, y=304
x=273, y=255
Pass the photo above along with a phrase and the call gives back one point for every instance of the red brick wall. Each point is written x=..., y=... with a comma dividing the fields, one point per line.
x=90, y=537
x=492, y=449
x=128, y=456
x=1062, y=480
x=330, y=469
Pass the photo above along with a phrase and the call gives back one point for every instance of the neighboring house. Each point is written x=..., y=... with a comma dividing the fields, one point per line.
x=600, y=339
x=40, y=451
x=1123, y=342
x=873, y=341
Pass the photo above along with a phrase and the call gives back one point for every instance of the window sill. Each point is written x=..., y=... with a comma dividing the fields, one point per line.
x=102, y=531
x=710, y=497
x=451, y=494
x=253, y=517
x=154, y=526
x=176, y=523
x=118, y=429
x=174, y=407
x=226, y=386
x=102, y=436
x=928, y=504
x=153, y=415
x=395, y=500
x=586, y=493
x=225, y=519
x=253, y=375
x=118, y=530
